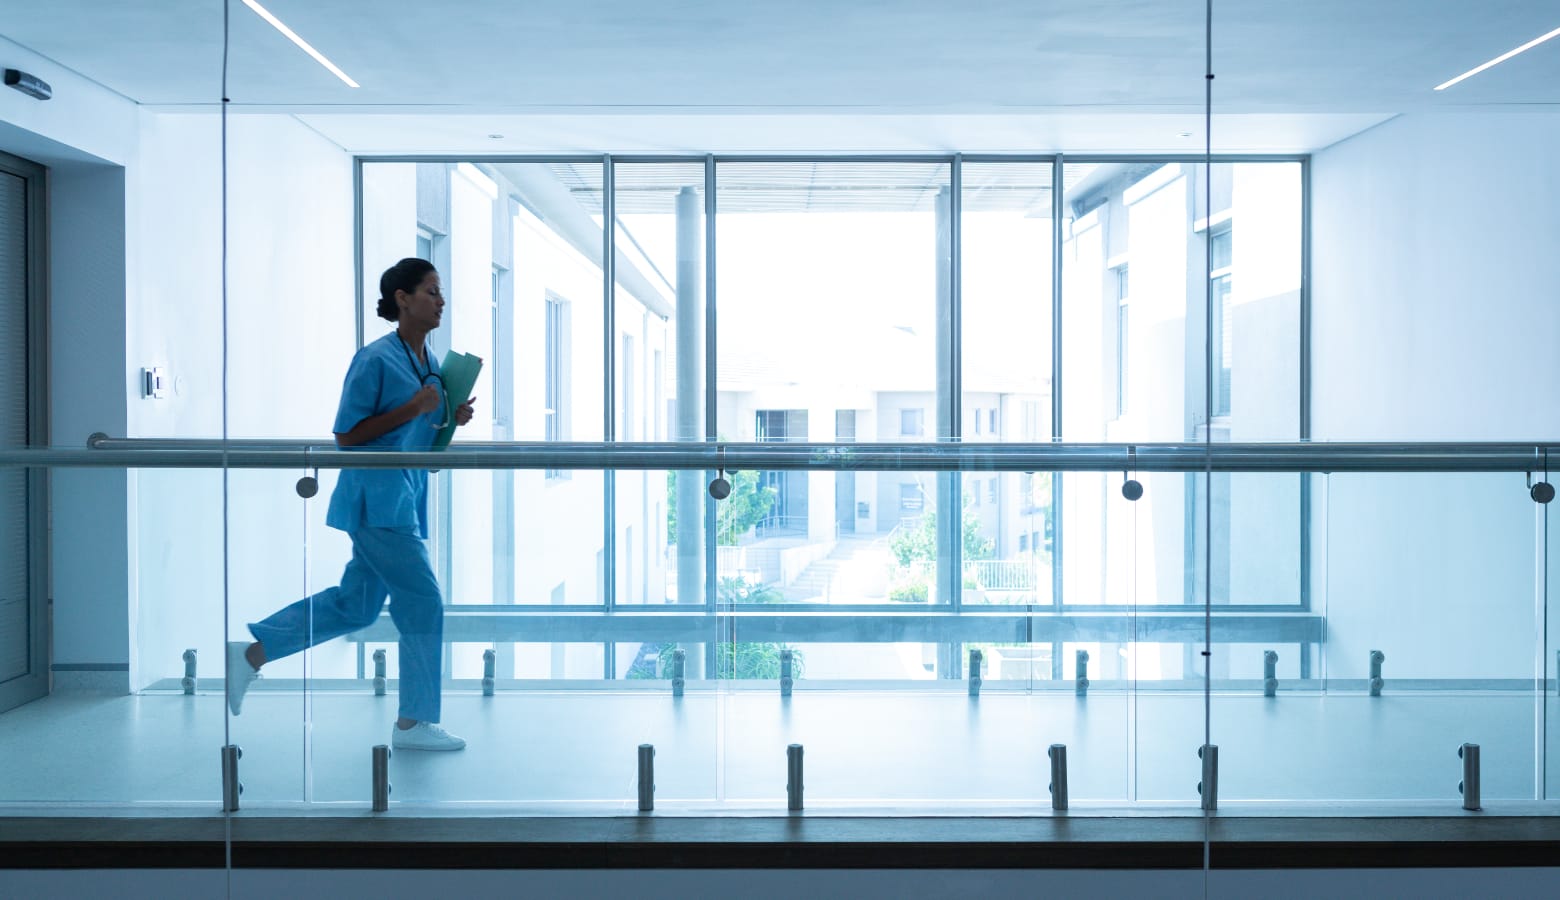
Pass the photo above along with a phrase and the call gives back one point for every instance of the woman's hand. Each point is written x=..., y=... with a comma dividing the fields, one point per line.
x=464, y=412
x=427, y=400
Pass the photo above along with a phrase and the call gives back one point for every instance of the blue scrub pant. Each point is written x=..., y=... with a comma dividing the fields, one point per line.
x=385, y=562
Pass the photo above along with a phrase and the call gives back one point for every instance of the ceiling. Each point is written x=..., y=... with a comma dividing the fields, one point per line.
x=695, y=75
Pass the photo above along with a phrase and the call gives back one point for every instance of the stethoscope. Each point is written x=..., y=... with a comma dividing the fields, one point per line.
x=423, y=376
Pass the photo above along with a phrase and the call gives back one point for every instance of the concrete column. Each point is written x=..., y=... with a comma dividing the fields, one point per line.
x=689, y=426
x=949, y=501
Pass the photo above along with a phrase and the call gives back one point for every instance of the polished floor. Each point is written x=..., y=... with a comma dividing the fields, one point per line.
x=725, y=750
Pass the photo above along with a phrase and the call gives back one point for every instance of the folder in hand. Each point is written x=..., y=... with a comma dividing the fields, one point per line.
x=459, y=371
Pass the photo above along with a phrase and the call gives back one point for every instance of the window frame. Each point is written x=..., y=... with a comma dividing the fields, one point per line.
x=711, y=162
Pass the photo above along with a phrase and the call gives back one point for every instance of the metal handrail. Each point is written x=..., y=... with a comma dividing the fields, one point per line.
x=107, y=452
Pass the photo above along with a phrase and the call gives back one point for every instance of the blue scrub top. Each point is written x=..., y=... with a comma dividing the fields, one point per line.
x=380, y=379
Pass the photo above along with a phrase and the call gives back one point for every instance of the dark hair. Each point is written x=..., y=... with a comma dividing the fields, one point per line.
x=405, y=275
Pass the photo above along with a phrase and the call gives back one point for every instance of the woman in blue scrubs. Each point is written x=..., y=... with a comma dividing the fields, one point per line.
x=393, y=399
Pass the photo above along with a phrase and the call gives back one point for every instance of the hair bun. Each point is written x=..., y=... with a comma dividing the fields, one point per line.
x=403, y=276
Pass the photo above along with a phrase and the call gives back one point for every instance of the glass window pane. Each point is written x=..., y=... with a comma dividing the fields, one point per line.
x=660, y=317
x=1006, y=216
x=862, y=247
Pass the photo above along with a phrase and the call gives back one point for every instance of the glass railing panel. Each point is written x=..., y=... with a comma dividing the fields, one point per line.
x=1429, y=582
x=283, y=567
x=1115, y=555
x=152, y=744
x=1241, y=545
x=858, y=642
x=1550, y=652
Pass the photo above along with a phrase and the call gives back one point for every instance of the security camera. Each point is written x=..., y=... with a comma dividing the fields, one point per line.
x=31, y=85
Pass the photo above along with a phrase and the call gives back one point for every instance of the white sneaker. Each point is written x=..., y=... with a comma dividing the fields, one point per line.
x=240, y=674
x=424, y=736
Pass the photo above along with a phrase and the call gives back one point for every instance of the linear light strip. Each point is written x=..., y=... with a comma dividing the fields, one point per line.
x=304, y=45
x=1494, y=62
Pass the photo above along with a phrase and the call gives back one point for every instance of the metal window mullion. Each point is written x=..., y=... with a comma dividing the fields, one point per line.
x=1058, y=186
x=360, y=301
x=955, y=399
x=1305, y=391
x=608, y=374
x=711, y=360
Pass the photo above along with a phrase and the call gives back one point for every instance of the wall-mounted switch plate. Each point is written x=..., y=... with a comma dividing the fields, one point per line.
x=154, y=383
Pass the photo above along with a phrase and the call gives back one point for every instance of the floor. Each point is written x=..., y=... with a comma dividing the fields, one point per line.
x=912, y=750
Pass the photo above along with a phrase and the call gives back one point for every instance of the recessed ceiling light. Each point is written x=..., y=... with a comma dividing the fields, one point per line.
x=496, y=137
x=303, y=45
x=1499, y=59
x=1185, y=134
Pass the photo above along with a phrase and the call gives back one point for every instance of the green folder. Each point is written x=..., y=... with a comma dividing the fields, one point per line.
x=460, y=372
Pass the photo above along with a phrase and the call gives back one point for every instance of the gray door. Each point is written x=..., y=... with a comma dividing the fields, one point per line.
x=22, y=662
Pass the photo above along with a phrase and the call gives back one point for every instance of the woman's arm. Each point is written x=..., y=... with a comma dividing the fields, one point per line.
x=426, y=400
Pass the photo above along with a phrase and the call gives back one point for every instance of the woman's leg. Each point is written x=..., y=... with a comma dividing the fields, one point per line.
x=399, y=559
x=348, y=607
x=353, y=604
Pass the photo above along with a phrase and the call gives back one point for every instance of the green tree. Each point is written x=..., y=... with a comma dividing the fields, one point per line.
x=748, y=504
x=920, y=542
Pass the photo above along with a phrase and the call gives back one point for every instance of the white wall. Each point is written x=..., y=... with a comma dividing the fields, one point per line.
x=86, y=136
x=135, y=268
x=1434, y=275
x=291, y=333
x=1434, y=302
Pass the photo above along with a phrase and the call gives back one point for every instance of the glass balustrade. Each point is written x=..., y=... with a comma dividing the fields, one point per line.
x=1365, y=625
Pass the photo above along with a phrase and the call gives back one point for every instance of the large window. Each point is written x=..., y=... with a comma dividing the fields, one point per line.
x=1139, y=300
x=659, y=311
x=519, y=246
x=865, y=300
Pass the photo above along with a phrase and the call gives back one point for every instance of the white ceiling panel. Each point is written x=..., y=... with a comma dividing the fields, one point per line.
x=890, y=61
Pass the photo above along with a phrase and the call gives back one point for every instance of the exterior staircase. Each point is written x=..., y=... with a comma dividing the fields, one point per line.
x=856, y=571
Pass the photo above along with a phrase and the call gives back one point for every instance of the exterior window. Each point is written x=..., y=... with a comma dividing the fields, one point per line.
x=495, y=358
x=1222, y=337
x=844, y=425
x=991, y=491
x=657, y=401
x=628, y=403
x=554, y=380
x=912, y=422
x=1122, y=347
x=1032, y=420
